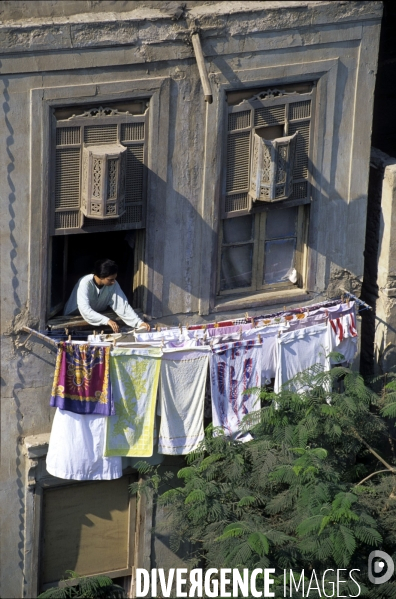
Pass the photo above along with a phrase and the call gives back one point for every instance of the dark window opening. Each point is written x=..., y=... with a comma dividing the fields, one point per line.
x=73, y=256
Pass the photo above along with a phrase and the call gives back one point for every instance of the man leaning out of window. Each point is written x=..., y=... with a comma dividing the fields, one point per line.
x=96, y=292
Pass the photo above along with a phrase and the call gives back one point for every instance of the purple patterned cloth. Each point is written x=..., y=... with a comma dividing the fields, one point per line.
x=235, y=367
x=219, y=331
x=81, y=381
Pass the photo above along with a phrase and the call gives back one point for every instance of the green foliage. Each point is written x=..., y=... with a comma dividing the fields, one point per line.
x=93, y=587
x=299, y=495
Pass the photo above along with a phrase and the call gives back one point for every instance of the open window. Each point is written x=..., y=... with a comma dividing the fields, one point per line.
x=98, y=196
x=266, y=189
x=73, y=256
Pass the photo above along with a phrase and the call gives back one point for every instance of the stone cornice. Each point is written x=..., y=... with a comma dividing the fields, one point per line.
x=152, y=26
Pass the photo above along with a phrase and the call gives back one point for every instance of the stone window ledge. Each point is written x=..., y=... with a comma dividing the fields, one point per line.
x=269, y=298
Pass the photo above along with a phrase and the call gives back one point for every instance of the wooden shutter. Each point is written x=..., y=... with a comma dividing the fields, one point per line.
x=273, y=107
x=94, y=128
x=88, y=528
x=300, y=119
x=67, y=178
x=236, y=200
x=103, y=181
x=271, y=174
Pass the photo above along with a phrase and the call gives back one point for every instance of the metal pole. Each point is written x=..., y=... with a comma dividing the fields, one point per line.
x=40, y=336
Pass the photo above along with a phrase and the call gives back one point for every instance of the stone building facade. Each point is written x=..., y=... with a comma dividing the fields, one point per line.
x=193, y=240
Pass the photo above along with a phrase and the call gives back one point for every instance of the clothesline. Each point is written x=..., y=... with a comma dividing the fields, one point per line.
x=54, y=338
x=357, y=300
x=106, y=393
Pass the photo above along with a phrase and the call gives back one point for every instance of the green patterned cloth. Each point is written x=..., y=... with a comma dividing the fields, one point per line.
x=134, y=377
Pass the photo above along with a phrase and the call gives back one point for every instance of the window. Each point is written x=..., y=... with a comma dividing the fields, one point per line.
x=98, y=187
x=89, y=528
x=73, y=256
x=264, y=217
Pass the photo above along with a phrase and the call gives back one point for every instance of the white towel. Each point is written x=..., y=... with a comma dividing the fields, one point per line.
x=182, y=396
x=269, y=359
x=299, y=350
x=168, y=334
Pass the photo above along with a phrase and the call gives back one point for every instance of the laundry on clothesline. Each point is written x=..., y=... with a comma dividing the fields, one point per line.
x=181, y=401
x=82, y=381
x=76, y=448
x=134, y=379
x=343, y=337
x=299, y=350
x=235, y=368
x=106, y=392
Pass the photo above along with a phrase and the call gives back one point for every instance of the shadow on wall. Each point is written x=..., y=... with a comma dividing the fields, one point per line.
x=186, y=236
x=20, y=384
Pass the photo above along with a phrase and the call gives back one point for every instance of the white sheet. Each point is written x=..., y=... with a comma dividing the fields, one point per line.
x=76, y=448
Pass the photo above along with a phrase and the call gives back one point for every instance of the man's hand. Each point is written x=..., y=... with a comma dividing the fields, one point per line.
x=144, y=325
x=114, y=326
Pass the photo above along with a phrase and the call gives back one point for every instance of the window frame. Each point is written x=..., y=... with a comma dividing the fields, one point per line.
x=131, y=516
x=259, y=208
x=53, y=316
x=43, y=100
x=38, y=480
x=258, y=258
x=277, y=72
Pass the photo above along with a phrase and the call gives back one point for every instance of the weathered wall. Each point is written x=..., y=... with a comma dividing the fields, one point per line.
x=384, y=338
x=58, y=57
x=15, y=10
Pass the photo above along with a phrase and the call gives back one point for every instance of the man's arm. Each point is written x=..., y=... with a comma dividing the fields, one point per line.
x=121, y=307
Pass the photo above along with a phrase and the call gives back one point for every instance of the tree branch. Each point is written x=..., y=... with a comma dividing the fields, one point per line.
x=370, y=475
x=371, y=450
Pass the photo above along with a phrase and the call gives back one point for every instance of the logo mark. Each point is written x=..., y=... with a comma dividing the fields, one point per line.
x=376, y=565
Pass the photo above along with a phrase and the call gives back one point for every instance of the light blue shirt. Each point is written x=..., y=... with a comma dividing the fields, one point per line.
x=89, y=300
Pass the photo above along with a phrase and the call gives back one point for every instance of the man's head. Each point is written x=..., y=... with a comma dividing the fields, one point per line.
x=105, y=271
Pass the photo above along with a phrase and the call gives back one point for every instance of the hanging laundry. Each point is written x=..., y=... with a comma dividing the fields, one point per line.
x=235, y=367
x=218, y=331
x=139, y=344
x=182, y=397
x=76, y=447
x=182, y=343
x=166, y=334
x=134, y=379
x=299, y=350
x=213, y=325
x=343, y=337
x=220, y=340
x=81, y=381
x=269, y=359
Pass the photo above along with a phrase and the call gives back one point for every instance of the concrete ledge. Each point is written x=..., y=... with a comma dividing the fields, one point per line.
x=36, y=446
x=144, y=26
x=262, y=299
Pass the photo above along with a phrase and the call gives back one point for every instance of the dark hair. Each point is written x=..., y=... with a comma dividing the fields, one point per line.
x=104, y=268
